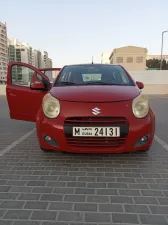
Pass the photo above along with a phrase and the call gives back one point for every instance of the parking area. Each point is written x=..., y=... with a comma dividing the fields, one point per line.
x=38, y=188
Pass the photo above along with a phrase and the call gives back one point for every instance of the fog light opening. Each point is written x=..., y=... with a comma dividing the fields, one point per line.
x=47, y=138
x=144, y=139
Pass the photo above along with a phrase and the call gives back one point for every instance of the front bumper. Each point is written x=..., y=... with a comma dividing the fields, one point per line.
x=118, y=113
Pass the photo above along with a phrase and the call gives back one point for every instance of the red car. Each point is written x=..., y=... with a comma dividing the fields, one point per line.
x=89, y=108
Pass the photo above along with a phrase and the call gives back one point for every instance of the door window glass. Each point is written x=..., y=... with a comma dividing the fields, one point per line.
x=21, y=75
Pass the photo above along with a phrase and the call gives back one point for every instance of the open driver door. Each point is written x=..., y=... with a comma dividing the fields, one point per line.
x=51, y=73
x=25, y=96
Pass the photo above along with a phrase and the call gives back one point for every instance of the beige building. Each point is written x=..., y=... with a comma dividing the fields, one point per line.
x=3, y=53
x=130, y=57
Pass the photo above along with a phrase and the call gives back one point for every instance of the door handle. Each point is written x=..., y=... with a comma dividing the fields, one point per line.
x=12, y=94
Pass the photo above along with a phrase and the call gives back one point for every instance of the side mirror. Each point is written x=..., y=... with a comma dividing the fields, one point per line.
x=140, y=84
x=37, y=85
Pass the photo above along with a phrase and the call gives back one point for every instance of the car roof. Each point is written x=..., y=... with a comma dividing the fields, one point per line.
x=92, y=64
x=49, y=68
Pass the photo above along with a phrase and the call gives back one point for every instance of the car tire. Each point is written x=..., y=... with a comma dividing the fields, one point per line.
x=145, y=150
x=45, y=150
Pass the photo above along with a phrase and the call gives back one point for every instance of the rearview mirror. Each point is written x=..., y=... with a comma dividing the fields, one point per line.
x=37, y=85
x=140, y=84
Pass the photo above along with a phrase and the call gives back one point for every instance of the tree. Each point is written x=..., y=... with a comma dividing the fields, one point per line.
x=155, y=64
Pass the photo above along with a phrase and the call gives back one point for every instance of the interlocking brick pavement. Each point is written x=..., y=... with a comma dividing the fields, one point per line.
x=38, y=188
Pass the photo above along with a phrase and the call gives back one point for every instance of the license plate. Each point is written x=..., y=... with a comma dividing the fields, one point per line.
x=96, y=131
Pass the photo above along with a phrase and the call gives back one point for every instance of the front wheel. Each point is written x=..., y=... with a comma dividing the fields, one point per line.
x=145, y=150
x=45, y=150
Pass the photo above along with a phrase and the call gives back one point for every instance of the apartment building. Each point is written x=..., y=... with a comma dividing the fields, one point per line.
x=23, y=52
x=130, y=57
x=50, y=63
x=45, y=59
x=20, y=52
x=3, y=53
x=37, y=59
x=11, y=51
x=105, y=57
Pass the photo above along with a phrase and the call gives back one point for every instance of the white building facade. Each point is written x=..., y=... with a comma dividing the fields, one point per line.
x=23, y=52
x=3, y=53
x=37, y=59
x=50, y=63
x=105, y=57
x=20, y=52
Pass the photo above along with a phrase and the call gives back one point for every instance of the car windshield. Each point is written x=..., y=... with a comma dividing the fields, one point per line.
x=93, y=75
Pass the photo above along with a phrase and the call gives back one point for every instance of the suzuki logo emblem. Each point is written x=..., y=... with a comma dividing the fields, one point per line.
x=96, y=111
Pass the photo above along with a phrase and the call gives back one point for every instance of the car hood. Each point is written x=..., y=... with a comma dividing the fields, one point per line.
x=95, y=93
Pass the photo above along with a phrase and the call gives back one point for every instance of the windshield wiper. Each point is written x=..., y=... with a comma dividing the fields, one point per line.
x=99, y=83
x=94, y=83
x=67, y=83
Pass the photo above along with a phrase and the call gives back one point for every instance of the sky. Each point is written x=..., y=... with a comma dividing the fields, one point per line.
x=72, y=31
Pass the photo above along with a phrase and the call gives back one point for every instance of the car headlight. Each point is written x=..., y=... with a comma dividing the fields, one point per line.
x=140, y=106
x=51, y=106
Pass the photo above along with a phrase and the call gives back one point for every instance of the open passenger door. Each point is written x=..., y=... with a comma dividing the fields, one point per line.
x=24, y=94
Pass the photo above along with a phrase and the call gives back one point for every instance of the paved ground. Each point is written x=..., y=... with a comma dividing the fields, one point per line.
x=39, y=188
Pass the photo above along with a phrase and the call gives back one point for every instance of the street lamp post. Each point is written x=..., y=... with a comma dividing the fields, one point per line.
x=161, y=58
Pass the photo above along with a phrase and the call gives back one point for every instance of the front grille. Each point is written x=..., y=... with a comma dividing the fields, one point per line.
x=95, y=121
x=98, y=142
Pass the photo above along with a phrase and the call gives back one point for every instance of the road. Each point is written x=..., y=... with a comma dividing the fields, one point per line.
x=38, y=188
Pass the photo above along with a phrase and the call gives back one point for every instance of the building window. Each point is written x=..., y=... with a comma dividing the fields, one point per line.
x=129, y=59
x=139, y=59
x=119, y=60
